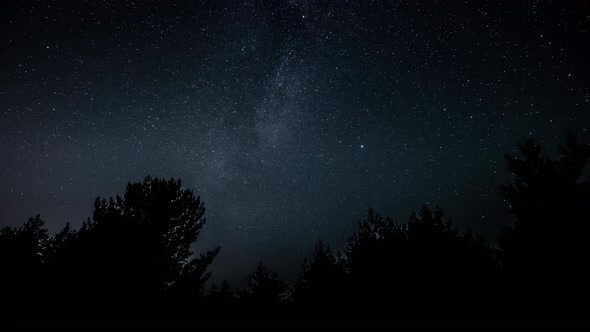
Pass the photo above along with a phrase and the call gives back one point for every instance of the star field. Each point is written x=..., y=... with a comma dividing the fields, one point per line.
x=288, y=118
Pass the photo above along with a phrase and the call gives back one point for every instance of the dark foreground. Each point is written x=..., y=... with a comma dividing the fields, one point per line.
x=399, y=306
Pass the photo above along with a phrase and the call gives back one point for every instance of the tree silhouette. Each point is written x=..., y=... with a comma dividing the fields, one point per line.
x=264, y=287
x=140, y=240
x=134, y=256
x=425, y=252
x=375, y=251
x=23, y=251
x=193, y=276
x=551, y=206
x=221, y=295
x=322, y=279
x=438, y=249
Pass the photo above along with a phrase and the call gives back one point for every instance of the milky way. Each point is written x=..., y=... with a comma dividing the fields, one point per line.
x=289, y=118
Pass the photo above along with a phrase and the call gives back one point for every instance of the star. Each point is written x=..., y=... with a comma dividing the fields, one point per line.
x=263, y=110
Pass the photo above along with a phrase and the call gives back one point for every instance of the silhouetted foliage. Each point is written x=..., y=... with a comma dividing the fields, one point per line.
x=437, y=249
x=264, y=287
x=426, y=252
x=23, y=251
x=373, y=250
x=222, y=294
x=134, y=257
x=194, y=275
x=549, y=240
x=322, y=277
x=141, y=240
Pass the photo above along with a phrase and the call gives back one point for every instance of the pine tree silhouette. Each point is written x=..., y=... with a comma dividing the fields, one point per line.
x=140, y=240
x=382, y=254
x=23, y=251
x=131, y=259
x=264, y=287
x=548, y=244
x=323, y=278
x=374, y=252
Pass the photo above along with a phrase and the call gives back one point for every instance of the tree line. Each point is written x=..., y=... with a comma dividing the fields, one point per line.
x=133, y=260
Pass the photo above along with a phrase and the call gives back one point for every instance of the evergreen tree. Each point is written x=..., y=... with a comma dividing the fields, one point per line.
x=322, y=278
x=264, y=287
x=375, y=251
x=23, y=251
x=221, y=295
x=424, y=252
x=551, y=205
x=140, y=240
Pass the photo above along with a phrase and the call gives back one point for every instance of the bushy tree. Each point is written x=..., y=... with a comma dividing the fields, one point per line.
x=221, y=295
x=140, y=240
x=424, y=252
x=23, y=251
x=442, y=256
x=264, y=287
x=551, y=205
x=322, y=278
x=374, y=252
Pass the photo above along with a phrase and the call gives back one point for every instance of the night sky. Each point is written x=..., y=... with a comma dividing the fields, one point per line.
x=288, y=118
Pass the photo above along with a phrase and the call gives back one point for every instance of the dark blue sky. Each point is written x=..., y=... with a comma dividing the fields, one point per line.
x=288, y=118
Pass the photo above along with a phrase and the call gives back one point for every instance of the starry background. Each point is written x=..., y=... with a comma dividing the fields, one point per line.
x=288, y=118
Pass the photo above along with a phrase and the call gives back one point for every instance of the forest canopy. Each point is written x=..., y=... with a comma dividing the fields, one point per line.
x=140, y=244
